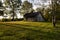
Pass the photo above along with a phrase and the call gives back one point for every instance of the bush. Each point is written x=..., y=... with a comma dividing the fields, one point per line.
x=4, y=20
x=17, y=19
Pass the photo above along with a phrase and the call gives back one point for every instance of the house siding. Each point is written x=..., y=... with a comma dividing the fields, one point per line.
x=36, y=16
x=40, y=18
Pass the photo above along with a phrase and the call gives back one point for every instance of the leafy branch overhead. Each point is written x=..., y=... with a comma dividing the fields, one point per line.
x=26, y=5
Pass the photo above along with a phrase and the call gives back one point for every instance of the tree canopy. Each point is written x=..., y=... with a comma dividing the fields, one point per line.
x=1, y=4
x=26, y=6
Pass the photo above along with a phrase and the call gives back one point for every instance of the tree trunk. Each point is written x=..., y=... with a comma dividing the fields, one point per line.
x=54, y=2
x=13, y=15
x=13, y=11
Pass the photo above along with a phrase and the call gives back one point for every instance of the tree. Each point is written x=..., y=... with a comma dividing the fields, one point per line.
x=26, y=7
x=1, y=7
x=13, y=4
x=54, y=13
x=58, y=12
x=52, y=10
x=47, y=14
x=1, y=4
x=56, y=8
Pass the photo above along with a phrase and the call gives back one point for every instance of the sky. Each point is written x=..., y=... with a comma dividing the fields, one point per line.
x=37, y=3
x=2, y=0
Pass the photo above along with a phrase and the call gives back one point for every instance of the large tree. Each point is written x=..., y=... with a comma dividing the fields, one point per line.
x=53, y=10
x=56, y=8
x=27, y=6
x=13, y=4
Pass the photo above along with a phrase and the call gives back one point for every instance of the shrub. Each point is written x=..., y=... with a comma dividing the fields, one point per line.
x=18, y=19
x=4, y=20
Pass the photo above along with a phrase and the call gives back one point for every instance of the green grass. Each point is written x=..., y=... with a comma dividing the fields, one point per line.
x=20, y=30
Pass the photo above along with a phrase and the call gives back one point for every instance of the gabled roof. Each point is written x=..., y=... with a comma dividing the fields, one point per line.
x=31, y=14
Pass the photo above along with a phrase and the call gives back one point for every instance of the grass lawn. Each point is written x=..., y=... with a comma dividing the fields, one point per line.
x=20, y=30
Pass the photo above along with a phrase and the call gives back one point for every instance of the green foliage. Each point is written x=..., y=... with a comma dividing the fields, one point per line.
x=39, y=9
x=26, y=7
x=58, y=11
x=4, y=20
x=16, y=19
x=48, y=14
x=1, y=4
x=14, y=5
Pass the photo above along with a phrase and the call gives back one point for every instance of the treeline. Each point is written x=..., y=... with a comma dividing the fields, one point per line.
x=26, y=7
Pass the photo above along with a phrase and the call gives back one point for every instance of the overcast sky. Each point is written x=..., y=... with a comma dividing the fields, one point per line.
x=37, y=3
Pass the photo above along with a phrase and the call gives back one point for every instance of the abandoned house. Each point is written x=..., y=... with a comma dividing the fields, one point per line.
x=36, y=16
